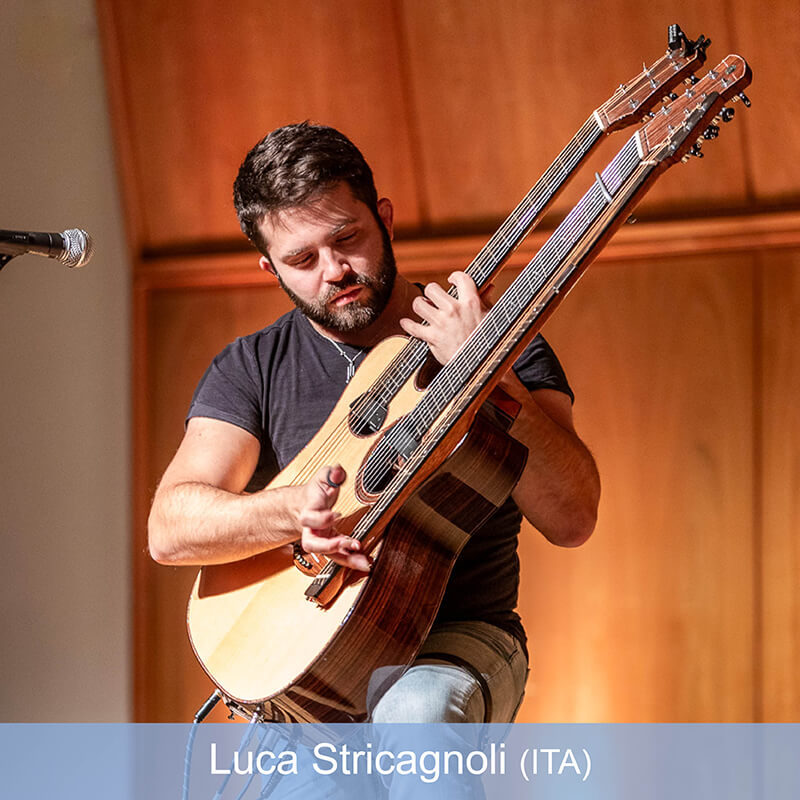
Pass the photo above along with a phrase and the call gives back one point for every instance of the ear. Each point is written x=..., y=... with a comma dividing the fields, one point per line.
x=386, y=213
x=266, y=264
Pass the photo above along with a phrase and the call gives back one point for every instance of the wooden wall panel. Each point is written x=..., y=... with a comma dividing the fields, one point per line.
x=653, y=619
x=780, y=530
x=202, y=82
x=769, y=35
x=500, y=87
x=458, y=104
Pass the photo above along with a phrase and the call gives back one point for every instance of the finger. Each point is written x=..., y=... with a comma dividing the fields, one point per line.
x=467, y=290
x=317, y=541
x=416, y=329
x=323, y=489
x=336, y=476
x=320, y=520
x=354, y=561
x=425, y=309
x=438, y=296
x=343, y=550
x=350, y=555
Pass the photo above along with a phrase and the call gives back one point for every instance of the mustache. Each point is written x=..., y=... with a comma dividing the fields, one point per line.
x=352, y=279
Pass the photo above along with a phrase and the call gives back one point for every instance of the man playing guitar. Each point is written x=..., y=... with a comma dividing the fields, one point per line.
x=306, y=199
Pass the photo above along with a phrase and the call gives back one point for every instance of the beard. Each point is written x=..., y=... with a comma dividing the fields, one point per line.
x=358, y=314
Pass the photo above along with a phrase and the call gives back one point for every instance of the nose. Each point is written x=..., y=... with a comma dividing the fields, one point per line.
x=334, y=266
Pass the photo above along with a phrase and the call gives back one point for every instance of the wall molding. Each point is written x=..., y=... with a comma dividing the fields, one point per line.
x=672, y=238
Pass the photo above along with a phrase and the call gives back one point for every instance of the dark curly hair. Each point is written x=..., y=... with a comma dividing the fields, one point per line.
x=292, y=165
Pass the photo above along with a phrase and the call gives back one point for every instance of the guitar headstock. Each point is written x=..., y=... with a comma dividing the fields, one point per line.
x=632, y=100
x=677, y=129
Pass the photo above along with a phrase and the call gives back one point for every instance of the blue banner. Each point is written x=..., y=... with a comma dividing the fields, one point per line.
x=496, y=762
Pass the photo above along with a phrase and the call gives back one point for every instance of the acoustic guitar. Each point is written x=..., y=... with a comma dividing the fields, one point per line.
x=440, y=463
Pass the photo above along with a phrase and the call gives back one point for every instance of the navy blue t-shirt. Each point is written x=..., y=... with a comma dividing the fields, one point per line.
x=281, y=384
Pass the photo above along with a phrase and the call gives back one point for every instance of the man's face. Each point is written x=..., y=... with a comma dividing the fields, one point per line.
x=333, y=258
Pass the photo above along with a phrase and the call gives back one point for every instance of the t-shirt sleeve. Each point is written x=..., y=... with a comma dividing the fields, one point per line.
x=539, y=368
x=230, y=390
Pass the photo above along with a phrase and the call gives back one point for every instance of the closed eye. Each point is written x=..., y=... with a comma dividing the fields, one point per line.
x=303, y=260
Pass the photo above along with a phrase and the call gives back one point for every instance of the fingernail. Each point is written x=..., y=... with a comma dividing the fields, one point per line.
x=330, y=481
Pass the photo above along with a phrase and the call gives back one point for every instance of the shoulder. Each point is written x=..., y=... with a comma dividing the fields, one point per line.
x=539, y=368
x=255, y=352
x=289, y=326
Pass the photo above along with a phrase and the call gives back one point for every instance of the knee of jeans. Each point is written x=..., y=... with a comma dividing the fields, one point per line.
x=447, y=695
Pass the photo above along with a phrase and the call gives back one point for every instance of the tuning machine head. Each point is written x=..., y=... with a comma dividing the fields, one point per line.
x=726, y=114
x=711, y=132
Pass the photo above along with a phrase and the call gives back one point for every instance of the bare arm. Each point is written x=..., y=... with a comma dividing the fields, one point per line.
x=201, y=516
x=559, y=490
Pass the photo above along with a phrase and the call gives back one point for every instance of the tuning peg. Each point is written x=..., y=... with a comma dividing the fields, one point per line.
x=726, y=115
x=711, y=132
x=672, y=96
x=693, y=79
x=695, y=150
x=744, y=98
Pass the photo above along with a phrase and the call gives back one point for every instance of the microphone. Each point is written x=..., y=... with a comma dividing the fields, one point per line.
x=73, y=247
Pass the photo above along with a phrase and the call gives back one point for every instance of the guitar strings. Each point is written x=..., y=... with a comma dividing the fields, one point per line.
x=379, y=507
x=549, y=254
x=584, y=215
x=507, y=236
x=536, y=276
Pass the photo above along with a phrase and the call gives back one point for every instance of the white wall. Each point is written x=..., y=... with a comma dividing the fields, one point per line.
x=64, y=378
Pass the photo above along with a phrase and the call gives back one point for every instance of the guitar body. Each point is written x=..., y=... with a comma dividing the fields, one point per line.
x=274, y=653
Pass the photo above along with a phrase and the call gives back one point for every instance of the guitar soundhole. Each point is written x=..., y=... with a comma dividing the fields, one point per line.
x=367, y=415
x=386, y=459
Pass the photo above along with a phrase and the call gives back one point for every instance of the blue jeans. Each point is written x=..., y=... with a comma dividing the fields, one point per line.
x=434, y=689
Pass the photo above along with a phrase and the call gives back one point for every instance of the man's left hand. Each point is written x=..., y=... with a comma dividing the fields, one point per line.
x=450, y=319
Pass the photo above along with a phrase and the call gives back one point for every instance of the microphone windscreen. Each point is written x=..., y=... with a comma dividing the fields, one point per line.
x=78, y=248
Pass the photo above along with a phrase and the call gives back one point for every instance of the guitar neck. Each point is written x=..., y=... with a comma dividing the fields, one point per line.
x=625, y=107
x=523, y=218
x=494, y=254
x=463, y=384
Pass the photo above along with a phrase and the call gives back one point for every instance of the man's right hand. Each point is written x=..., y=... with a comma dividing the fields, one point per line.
x=319, y=521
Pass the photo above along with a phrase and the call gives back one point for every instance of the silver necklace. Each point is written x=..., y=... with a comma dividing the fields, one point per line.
x=351, y=362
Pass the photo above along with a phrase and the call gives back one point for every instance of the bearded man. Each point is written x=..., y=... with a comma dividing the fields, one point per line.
x=306, y=199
